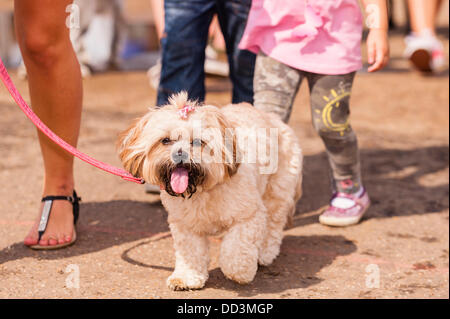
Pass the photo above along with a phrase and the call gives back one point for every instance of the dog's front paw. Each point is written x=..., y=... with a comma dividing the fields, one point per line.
x=179, y=282
x=268, y=255
x=243, y=272
x=240, y=278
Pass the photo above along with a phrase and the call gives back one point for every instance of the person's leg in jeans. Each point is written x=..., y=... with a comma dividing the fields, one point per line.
x=183, y=48
x=275, y=85
x=233, y=16
x=56, y=96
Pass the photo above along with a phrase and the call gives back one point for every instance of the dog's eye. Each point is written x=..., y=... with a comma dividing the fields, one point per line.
x=197, y=142
x=166, y=141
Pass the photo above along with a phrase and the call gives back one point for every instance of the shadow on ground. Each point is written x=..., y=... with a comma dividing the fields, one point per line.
x=297, y=266
x=101, y=226
x=396, y=180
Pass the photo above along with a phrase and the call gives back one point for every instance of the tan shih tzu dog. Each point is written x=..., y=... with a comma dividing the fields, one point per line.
x=217, y=179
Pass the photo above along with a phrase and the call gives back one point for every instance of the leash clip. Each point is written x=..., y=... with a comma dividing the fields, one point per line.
x=134, y=179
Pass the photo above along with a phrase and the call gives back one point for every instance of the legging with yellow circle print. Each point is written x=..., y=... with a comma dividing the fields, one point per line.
x=275, y=88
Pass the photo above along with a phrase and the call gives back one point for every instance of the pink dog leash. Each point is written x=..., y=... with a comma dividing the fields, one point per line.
x=55, y=138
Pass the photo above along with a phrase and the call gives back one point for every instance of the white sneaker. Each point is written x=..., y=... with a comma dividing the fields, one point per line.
x=216, y=67
x=345, y=209
x=213, y=65
x=425, y=52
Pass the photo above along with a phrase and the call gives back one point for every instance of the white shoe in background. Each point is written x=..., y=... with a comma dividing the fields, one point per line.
x=425, y=52
x=213, y=65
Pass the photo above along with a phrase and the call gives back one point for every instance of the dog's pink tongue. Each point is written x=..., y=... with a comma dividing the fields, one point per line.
x=179, y=180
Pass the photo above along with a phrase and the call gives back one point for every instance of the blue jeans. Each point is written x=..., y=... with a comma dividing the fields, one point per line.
x=184, y=42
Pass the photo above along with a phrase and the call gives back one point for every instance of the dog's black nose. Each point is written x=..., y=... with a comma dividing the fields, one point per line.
x=180, y=156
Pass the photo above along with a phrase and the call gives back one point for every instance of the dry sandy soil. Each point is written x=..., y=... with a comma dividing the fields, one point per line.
x=124, y=249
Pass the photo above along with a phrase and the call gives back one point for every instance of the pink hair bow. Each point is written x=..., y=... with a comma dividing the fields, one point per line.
x=184, y=112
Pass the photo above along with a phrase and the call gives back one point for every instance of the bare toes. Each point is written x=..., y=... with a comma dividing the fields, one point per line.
x=68, y=238
x=43, y=242
x=30, y=241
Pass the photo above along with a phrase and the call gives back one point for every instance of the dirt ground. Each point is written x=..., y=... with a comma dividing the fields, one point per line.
x=124, y=249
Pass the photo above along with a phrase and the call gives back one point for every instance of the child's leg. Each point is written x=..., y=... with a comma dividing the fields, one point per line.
x=275, y=86
x=330, y=96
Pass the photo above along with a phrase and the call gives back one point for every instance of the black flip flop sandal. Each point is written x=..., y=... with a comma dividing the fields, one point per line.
x=48, y=203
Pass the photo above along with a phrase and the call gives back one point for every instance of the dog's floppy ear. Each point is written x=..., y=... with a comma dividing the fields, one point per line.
x=130, y=147
x=230, y=151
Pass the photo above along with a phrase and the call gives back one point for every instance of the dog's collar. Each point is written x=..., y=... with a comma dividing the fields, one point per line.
x=184, y=112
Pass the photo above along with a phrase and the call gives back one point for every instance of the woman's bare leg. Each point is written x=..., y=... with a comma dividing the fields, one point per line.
x=423, y=14
x=215, y=33
x=158, y=16
x=56, y=96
